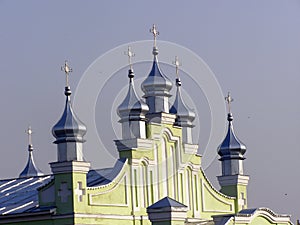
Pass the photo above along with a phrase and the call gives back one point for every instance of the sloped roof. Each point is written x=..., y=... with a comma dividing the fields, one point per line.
x=166, y=203
x=104, y=176
x=20, y=194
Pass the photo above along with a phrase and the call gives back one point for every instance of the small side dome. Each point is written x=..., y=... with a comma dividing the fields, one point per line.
x=132, y=106
x=69, y=127
x=30, y=170
x=231, y=146
x=184, y=114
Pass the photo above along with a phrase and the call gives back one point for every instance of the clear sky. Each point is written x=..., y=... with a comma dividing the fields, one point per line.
x=253, y=48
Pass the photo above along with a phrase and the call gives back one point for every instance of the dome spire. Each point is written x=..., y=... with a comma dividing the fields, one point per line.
x=155, y=33
x=67, y=70
x=30, y=169
x=233, y=182
x=132, y=110
x=231, y=149
x=69, y=130
x=184, y=115
x=229, y=100
x=156, y=86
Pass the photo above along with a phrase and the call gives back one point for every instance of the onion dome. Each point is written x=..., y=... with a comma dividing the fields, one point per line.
x=184, y=114
x=156, y=86
x=231, y=147
x=156, y=83
x=30, y=169
x=69, y=128
x=132, y=108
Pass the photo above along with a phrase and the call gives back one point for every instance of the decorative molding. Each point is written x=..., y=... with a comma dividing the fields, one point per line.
x=161, y=118
x=117, y=184
x=204, y=209
x=213, y=188
x=248, y=215
x=233, y=180
x=70, y=167
x=110, y=216
x=133, y=144
x=190, y=148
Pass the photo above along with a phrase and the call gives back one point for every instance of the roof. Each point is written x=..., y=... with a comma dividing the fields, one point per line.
x=104, y=176
x=20, y=195
x=166, y=202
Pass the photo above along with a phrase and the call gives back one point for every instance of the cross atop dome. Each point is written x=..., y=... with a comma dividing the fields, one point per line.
x=130, y=54
x=67, y=70
x=155, y=33
x=228, y=100
x=29, y=132
x=177, y=63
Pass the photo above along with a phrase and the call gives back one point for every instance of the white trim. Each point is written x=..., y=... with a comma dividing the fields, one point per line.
x=135, y=143
x=110, y=216
x=90, y=196
x=233, y=180
x=70, y=167
x=204, y=209
x=190, y=148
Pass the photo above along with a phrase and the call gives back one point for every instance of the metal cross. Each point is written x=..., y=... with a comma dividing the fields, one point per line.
x=177, y=64
x=29, y=133
x=79, y=191
x=229, y=99
x=155, y=33
x=64, y=192
x=67, y=70
x=130, y=54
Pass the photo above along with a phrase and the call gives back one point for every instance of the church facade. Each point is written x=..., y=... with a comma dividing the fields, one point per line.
x=157, y=179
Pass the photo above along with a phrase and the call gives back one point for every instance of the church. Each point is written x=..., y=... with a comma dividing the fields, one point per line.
x=157, y=179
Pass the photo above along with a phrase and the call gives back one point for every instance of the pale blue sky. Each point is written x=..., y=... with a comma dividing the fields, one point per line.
x=253, y=48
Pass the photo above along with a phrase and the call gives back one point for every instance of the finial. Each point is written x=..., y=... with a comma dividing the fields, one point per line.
x=130, y=54
x=177, y=64
x=67, y=70
x=29, y=132
x=229, y=99
x=155, y=33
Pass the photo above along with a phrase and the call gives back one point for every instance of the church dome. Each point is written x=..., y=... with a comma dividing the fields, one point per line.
x=69, y=127
x=132, y=106
x=180, y=108
x=156, y=81
x=231, y=145
x=30, y=170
